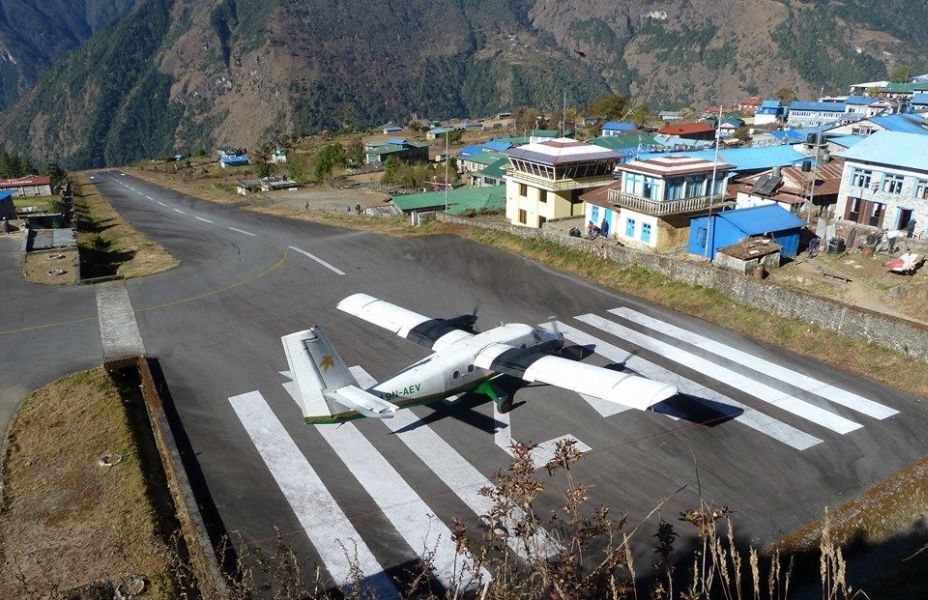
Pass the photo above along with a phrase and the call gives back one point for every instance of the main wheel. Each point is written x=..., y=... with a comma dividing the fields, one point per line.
x=505, y=404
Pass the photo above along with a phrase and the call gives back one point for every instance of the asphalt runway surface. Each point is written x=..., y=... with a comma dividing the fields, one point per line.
x=774, y=436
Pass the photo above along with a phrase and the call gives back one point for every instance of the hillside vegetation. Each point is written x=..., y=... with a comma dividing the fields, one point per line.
x=190, y=74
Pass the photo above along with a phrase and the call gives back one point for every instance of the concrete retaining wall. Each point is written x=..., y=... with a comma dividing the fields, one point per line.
x=890, y=332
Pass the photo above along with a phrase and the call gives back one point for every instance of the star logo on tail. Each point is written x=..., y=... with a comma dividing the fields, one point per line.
x=327, y=363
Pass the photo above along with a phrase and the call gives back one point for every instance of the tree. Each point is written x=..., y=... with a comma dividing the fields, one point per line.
x=614, y=106
x=873, y=92
x=354, y=154
x=55, y=171
x=296, y=170
x=741, y=133
x=901, y=74
x=640, y=115
x=263, y=169
x=785, y=95
x=331, y=156
x=527, y=118
x=455, y=136
x=6, y=165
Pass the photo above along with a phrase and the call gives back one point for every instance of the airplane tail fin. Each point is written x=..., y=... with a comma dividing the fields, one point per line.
x=316, y=368
x=328, y=391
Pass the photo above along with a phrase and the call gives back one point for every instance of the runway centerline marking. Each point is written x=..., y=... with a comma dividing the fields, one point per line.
x=163, y=204
x=177, y=210
x=204, y=220
x=243, y=231
x=335, y=270
x=324, y=522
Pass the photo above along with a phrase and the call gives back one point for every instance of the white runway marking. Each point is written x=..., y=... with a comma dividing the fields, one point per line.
x=758, y=421
x=543, y=452
x=119, y=332
x=243, y=231
x=759, y=390
x=318, y=260
x=202, y=219
x=163, y=204
x=793, y=378
x=406, y=511
x=447, y=464
x=149, y=198
x=326, y=525
x=177, y=210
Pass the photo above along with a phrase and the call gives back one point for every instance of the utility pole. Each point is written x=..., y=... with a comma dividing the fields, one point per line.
x=818, y=155
x=447, y=159
x=715, y=167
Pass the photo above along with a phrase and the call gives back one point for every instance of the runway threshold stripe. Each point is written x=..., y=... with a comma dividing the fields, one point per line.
x=335, y=270
x=764, y=392
x=204, y=220
x=406, y=511
x=793, y=378
x=447, y=464
x=243, y=231
x=749, y=417
x=322, y=519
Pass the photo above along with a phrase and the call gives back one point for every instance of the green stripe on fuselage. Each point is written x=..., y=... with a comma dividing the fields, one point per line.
x=352, y=415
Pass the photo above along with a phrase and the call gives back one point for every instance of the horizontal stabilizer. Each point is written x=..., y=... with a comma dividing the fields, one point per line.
x=365, y=403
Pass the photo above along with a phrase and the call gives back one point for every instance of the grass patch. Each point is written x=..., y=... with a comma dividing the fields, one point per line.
x=42, y=201
x=108, y=244
x=41, y=266
x=65, y=521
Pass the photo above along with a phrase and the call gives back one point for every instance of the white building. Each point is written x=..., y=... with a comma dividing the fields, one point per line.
x=885, y=182
x=651, y=205
x=34, y=185
x=545, y=179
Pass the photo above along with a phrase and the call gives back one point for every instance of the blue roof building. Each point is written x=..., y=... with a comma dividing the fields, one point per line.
x=392, y=129
x=747, y=160
x=902, y=123
x=810, y=114
x=7, y=209
x=233, y=161
x=710, y=233
x=770, y=111
x=920, y=102
x=612, y=128
x=496, y=146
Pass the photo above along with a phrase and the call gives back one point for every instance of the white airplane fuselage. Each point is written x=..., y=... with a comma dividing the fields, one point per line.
x=451, y=370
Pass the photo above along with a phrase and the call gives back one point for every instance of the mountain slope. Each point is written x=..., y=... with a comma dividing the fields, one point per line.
x=193, y=73
x=36, y=33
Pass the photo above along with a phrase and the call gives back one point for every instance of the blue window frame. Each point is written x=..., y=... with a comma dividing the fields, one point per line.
x=630, y=228
x=594, y=214
x=646, y=233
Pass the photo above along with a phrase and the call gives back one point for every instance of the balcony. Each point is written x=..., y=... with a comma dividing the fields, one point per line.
x=664, y=208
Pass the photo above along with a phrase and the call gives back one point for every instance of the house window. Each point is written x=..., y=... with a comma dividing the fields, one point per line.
x=646, y=233
x=523, y=216
x=861, y=178
x=542, y=195
x=630, y=228
x=892, y=184
x=921, y=189
x=594, y=214
x=523, y=190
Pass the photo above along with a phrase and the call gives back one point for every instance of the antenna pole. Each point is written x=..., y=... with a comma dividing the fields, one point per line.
x=715, y=167
x=446, y=169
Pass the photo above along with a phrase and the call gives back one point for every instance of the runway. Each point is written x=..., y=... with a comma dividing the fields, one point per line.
x=775, y=436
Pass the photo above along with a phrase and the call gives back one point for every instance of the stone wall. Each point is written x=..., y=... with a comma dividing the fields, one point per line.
x=890, y=332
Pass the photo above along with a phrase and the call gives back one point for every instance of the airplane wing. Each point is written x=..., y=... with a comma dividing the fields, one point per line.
x=533, y=365
x=425, y=331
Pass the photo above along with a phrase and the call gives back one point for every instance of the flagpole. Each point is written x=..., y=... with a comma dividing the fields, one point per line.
x=715, y=167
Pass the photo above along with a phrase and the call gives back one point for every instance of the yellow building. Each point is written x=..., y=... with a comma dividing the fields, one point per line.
x=546, y=179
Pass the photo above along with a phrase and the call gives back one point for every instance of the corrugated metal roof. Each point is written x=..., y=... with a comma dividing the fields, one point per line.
x=747, y=159
x=617, y=142
x=838, y=107
x=687, y=129
x=618, y=126
x=898, y=149
x=902, y=123
x=485, y=199
x=496, y=146
x=848, y=141
x=468, y=196
x=768, y=218
x=496, y=169
x=920, y=99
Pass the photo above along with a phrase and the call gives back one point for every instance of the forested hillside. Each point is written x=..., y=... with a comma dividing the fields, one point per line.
x=36, y=33
x=190, y=74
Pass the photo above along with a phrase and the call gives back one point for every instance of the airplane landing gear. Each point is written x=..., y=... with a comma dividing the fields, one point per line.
x=502, y=399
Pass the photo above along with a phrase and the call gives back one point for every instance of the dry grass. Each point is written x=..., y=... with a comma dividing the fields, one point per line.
x=65, y=520
x=109, y=244
x=36, y=266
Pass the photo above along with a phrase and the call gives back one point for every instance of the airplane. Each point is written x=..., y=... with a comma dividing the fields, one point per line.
x=463, y=361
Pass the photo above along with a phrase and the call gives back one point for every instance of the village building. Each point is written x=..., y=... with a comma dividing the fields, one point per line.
x=545, y=179
x=616, y=128
x=791, y=188
x=919, y=103
x=770, y=112
x=651, y=204
x=7, y=208
x=23, y=187
x=750, y=105
x=866, y=106
x=902, y=123
x=710, y=234
x=401, y=149
x=815, y=114
x=690, y=131
x=885, y=182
